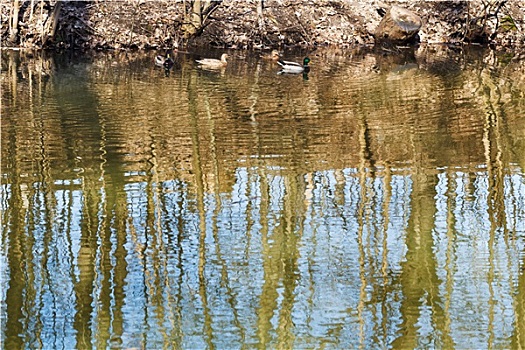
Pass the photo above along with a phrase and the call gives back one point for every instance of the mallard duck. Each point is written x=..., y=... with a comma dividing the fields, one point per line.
x=274, y=55
x=164, y=61
x=294, y=67
x=213, y=62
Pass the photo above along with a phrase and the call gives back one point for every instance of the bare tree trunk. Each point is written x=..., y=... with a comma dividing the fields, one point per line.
x=196, y=14
x=199, y=13
x=260, y=15
x=13, y=23
x=50, y=31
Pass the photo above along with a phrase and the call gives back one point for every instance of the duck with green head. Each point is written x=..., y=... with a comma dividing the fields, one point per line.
x=164, y=61
x=294, y=67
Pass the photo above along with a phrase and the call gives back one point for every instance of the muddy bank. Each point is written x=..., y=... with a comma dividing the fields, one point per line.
x=254, y=24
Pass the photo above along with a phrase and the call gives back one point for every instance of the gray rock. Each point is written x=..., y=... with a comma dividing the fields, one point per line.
x=398, y=26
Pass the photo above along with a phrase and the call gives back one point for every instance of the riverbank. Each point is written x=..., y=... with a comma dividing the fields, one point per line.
x=252, y=24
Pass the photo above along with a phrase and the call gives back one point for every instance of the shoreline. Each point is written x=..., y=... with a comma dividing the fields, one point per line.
x=278, y=24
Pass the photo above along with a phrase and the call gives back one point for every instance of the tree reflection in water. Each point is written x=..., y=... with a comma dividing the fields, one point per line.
x=378, y=203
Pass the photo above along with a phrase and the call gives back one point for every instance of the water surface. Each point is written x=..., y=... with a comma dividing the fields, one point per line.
x=377, y=202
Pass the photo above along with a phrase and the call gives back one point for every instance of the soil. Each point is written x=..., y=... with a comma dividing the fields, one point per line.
x=139, y=24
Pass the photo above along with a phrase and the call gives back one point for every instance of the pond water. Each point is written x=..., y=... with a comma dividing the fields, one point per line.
x=377, y=202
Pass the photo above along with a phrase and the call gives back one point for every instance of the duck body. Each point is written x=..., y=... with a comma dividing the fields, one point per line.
x=294, y=67
x=159, y=60
x=165, y=62
x=213, y=62
x=274, y=56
